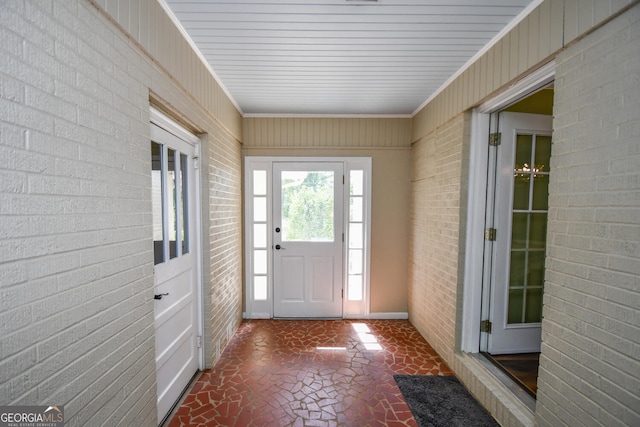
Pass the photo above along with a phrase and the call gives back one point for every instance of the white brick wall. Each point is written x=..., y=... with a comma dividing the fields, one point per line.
x=590, y=364
x=225, y=242
x=74, y=250
x=76, y=262
x=434, y=244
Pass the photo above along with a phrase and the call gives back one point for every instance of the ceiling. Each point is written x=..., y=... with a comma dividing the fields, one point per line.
x=340, y=57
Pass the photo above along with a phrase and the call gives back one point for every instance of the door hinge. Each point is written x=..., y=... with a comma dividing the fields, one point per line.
x=490, y=234
x=196, y=162
x=342, y=237
x=495, y=139
x=199, y=341
x=485, y=326
x=342, y=179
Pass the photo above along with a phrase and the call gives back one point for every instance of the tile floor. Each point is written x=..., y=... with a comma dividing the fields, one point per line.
x=311, y=373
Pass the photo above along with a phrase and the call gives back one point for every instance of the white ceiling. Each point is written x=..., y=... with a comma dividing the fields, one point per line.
x=340, y=57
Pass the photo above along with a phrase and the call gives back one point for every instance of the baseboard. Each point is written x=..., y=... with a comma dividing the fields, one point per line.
x=400, y=315
x=256, y=316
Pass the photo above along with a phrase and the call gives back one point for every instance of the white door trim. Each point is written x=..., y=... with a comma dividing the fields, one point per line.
x=263, y=308
x=164, y=122
x=476, y=200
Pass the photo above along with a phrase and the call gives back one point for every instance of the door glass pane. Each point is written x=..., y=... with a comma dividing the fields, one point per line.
x=522, y=172
x=356, y=178
x=514, y=314
x=355, y=236
x=518, y=268
x=354, y=288
x=259, y=208
x=523, y=152
x=185, y=203
x=538, y=231
x=172, y=208
x=355, y=209
x=156, y=202
x=260, y=287
x=540, y=192
x=260, y=262
x=520, y=191
x=535, y=268
x=260, y=183
x=519, y=231
x=260, y=235
x=307, y=206
x=355, y=261
x=533, y=306
x=543, y=153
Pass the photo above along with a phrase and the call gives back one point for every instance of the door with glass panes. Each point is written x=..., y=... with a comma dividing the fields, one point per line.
x=175, y=270
x=308, y=239
x=520, y=222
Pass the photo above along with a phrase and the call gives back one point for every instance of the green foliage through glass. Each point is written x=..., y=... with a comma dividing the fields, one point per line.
x=307, y=206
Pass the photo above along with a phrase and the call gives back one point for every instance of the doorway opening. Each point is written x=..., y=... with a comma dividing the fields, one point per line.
x=518, y=173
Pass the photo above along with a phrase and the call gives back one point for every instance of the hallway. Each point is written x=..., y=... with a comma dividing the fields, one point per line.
x=311, y=373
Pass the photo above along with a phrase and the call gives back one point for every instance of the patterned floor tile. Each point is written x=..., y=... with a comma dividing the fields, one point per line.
x=311, y=373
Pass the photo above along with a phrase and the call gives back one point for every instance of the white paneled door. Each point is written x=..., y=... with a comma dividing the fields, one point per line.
x=308, y=233
x=520, y=224
x=175, y=271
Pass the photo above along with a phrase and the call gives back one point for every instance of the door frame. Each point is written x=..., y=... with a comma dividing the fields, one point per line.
x=159, y=119
x=263, y=308
x=474, y=272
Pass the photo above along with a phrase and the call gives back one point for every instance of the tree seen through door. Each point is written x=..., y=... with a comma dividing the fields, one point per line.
x=307, y=206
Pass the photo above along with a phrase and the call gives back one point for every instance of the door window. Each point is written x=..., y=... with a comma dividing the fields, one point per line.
x=169, y=183
x=355, y=254
x=307, y=210
x=260, y=237
x=529, y=228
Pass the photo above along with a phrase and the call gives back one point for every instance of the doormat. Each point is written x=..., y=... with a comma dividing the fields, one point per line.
x=442, y=401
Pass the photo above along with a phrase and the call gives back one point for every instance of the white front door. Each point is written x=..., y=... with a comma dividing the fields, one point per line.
x=175, y=271
x=520, y=221
x=308, y=217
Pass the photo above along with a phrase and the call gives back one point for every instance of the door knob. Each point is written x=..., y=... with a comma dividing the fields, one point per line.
x=159, y=296
x=278, y=247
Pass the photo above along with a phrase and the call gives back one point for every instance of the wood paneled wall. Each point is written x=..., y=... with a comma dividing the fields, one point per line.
x=259, y=132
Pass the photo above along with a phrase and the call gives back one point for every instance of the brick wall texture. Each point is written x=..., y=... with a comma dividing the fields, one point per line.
x=437, y=163
x=590, y=369
x=76, y=261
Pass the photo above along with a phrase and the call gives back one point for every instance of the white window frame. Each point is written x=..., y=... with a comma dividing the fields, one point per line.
x=263, y=309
